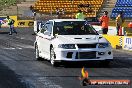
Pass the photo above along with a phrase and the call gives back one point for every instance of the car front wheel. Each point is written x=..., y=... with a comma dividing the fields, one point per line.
x=37, y=53
x=53, y=57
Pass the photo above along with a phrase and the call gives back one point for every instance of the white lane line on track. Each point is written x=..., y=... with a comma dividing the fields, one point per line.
x=27, y=46
x=12, y=48
x=20, y=37
x=24, y=46
x=19, y=48
x=9, y=48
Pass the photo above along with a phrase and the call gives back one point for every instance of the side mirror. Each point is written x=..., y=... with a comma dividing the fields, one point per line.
x=40, y=27
x=100, y=32
x=47, y=33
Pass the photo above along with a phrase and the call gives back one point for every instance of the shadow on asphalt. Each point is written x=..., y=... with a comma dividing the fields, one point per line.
x=74, y=65
x=113, y=64
x=85, y=64
x=4, y=32
x=8, y=79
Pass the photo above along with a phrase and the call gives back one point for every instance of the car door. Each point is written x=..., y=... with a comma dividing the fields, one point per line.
x=46, y=39
x=39, y=40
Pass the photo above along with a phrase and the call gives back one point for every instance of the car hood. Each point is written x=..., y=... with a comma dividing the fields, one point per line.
x=80, y=39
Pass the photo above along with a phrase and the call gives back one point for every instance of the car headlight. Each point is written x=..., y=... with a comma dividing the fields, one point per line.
x=103, y=45
x=67, y=46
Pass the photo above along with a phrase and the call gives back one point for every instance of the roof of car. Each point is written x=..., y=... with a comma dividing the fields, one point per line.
x=59, y=20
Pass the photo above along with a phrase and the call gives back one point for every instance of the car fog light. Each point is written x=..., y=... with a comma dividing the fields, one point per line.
x=101, y=53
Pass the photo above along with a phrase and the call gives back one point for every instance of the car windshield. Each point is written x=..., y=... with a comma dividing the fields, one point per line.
x=73, y=28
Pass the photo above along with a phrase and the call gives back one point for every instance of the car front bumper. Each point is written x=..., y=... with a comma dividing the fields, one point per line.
x=83, y=54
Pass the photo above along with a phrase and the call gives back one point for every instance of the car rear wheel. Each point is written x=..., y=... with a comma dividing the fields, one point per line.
x=53, y=57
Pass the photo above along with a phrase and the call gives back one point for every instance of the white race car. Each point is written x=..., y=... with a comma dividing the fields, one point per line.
x=71, y=40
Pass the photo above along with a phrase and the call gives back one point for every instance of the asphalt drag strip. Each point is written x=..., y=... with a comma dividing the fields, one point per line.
x=8, y=78
x=20, y=69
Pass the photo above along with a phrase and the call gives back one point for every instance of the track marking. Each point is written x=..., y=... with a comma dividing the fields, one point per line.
x=9, y=48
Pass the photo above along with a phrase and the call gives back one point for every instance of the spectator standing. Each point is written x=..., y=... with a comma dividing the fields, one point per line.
x=119, y=22
x=104, y=20
x=0, y=23
x=80, y=5
x=80, y=15
x=58, y=12
x=62, y=11
x=11, y=25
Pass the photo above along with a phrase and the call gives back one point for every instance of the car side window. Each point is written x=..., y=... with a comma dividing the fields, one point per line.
x=49, y=26
x=44, y=28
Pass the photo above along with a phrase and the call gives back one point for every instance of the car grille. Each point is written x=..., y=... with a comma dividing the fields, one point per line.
x=86, y=55
x=86, y=45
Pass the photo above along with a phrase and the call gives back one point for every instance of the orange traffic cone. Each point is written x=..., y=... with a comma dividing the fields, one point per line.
x=130, y=25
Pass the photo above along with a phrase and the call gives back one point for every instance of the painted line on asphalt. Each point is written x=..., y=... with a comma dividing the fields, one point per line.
x=20, y=47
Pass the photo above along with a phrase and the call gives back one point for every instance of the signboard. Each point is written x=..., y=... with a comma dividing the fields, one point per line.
x=127, y=43
x=25, y=23
x=111, y=30
x=5, y=24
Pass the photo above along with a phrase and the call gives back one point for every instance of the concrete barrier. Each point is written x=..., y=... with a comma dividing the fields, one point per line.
x=111, y=30
x=123, y=42
x=116, y=41
x=25, y=23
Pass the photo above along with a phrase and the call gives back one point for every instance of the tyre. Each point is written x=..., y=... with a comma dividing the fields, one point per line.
x=37, y=53
x=53, y=57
